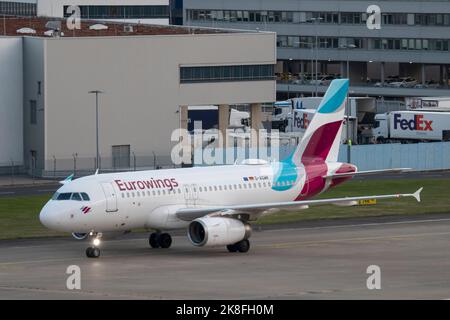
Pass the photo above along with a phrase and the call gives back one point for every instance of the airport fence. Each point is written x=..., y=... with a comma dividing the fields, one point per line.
x=82, y=166
x=418, y=156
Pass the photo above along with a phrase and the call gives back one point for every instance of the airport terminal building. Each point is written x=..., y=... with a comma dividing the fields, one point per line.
x=412, y=41
x=148, y=76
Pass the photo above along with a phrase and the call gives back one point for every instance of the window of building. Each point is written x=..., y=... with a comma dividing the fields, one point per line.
x=125, y=12
x=226, y=73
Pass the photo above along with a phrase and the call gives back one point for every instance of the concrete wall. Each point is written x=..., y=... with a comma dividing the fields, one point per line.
x=140, y=78
x=11, y=92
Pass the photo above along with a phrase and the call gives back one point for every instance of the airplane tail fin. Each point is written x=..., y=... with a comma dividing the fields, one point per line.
x=322, y=137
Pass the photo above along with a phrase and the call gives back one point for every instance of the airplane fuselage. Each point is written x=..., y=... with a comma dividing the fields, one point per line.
x=150, y=199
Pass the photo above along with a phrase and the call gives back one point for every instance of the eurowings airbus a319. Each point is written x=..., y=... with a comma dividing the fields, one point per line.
x=214, y=204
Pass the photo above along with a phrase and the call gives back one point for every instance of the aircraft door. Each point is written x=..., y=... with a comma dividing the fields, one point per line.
x=111, y=197
x=190, y=194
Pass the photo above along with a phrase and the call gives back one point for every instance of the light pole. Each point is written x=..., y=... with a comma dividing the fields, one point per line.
x=349, y=141
x=97, y=158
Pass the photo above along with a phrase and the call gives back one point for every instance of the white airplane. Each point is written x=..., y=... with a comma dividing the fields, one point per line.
x=214, y=204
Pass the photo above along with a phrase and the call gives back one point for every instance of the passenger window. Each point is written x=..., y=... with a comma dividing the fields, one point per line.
x=128, y=194
x=85, y=196
x=64, y=196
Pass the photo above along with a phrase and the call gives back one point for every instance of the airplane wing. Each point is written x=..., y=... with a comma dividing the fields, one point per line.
x=366, y=173
x=189, y=214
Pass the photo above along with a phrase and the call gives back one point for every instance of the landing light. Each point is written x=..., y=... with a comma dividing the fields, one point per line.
x=96, y=242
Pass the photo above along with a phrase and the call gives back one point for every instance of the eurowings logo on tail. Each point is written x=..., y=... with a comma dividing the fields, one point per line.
x=321, y=140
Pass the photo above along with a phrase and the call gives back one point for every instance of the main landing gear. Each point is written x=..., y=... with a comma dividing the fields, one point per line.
x=94, y=251
x=241, y=246
x=160, y=240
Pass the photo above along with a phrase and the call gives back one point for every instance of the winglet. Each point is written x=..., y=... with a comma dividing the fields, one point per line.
x=66, y=180
x=417, y=194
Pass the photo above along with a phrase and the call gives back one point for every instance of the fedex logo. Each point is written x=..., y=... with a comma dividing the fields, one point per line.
x=418, y=123
x=301, y=122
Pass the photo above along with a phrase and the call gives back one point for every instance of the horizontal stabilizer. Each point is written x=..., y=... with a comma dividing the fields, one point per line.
x=367, y=173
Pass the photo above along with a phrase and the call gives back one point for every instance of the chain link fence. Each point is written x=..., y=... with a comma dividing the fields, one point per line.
x=56, y=167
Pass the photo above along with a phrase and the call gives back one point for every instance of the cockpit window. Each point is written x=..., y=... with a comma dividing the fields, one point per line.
x=64, y=196
x=76, y=196
x=85, y=196
x=71, y=196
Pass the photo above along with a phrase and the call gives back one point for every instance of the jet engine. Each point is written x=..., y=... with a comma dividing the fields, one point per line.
x=217, y=231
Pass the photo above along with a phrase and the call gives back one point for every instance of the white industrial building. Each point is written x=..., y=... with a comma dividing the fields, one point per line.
x=148, y=75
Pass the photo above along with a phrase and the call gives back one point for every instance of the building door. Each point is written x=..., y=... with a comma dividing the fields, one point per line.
x=111, y=197
x=121, y=156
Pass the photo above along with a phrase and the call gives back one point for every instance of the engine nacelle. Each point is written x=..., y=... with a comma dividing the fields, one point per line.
x=80, y=236
x=217, y=231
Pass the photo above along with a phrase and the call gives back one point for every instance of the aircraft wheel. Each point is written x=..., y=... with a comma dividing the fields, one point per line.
x=243, y=246
x=153, y=240
x=93, y=252
x=165, y=240
x=232, y=248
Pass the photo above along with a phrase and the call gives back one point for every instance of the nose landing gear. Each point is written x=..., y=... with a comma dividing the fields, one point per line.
x=94, y=251
x=160, y=240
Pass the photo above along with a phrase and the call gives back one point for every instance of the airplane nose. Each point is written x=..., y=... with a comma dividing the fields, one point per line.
x=43, y=217
x=48, y=218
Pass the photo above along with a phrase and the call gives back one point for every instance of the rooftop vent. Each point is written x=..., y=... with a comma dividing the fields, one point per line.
x=53, y=25
x=26, y=31
x=98, y=26
x=49, y=33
